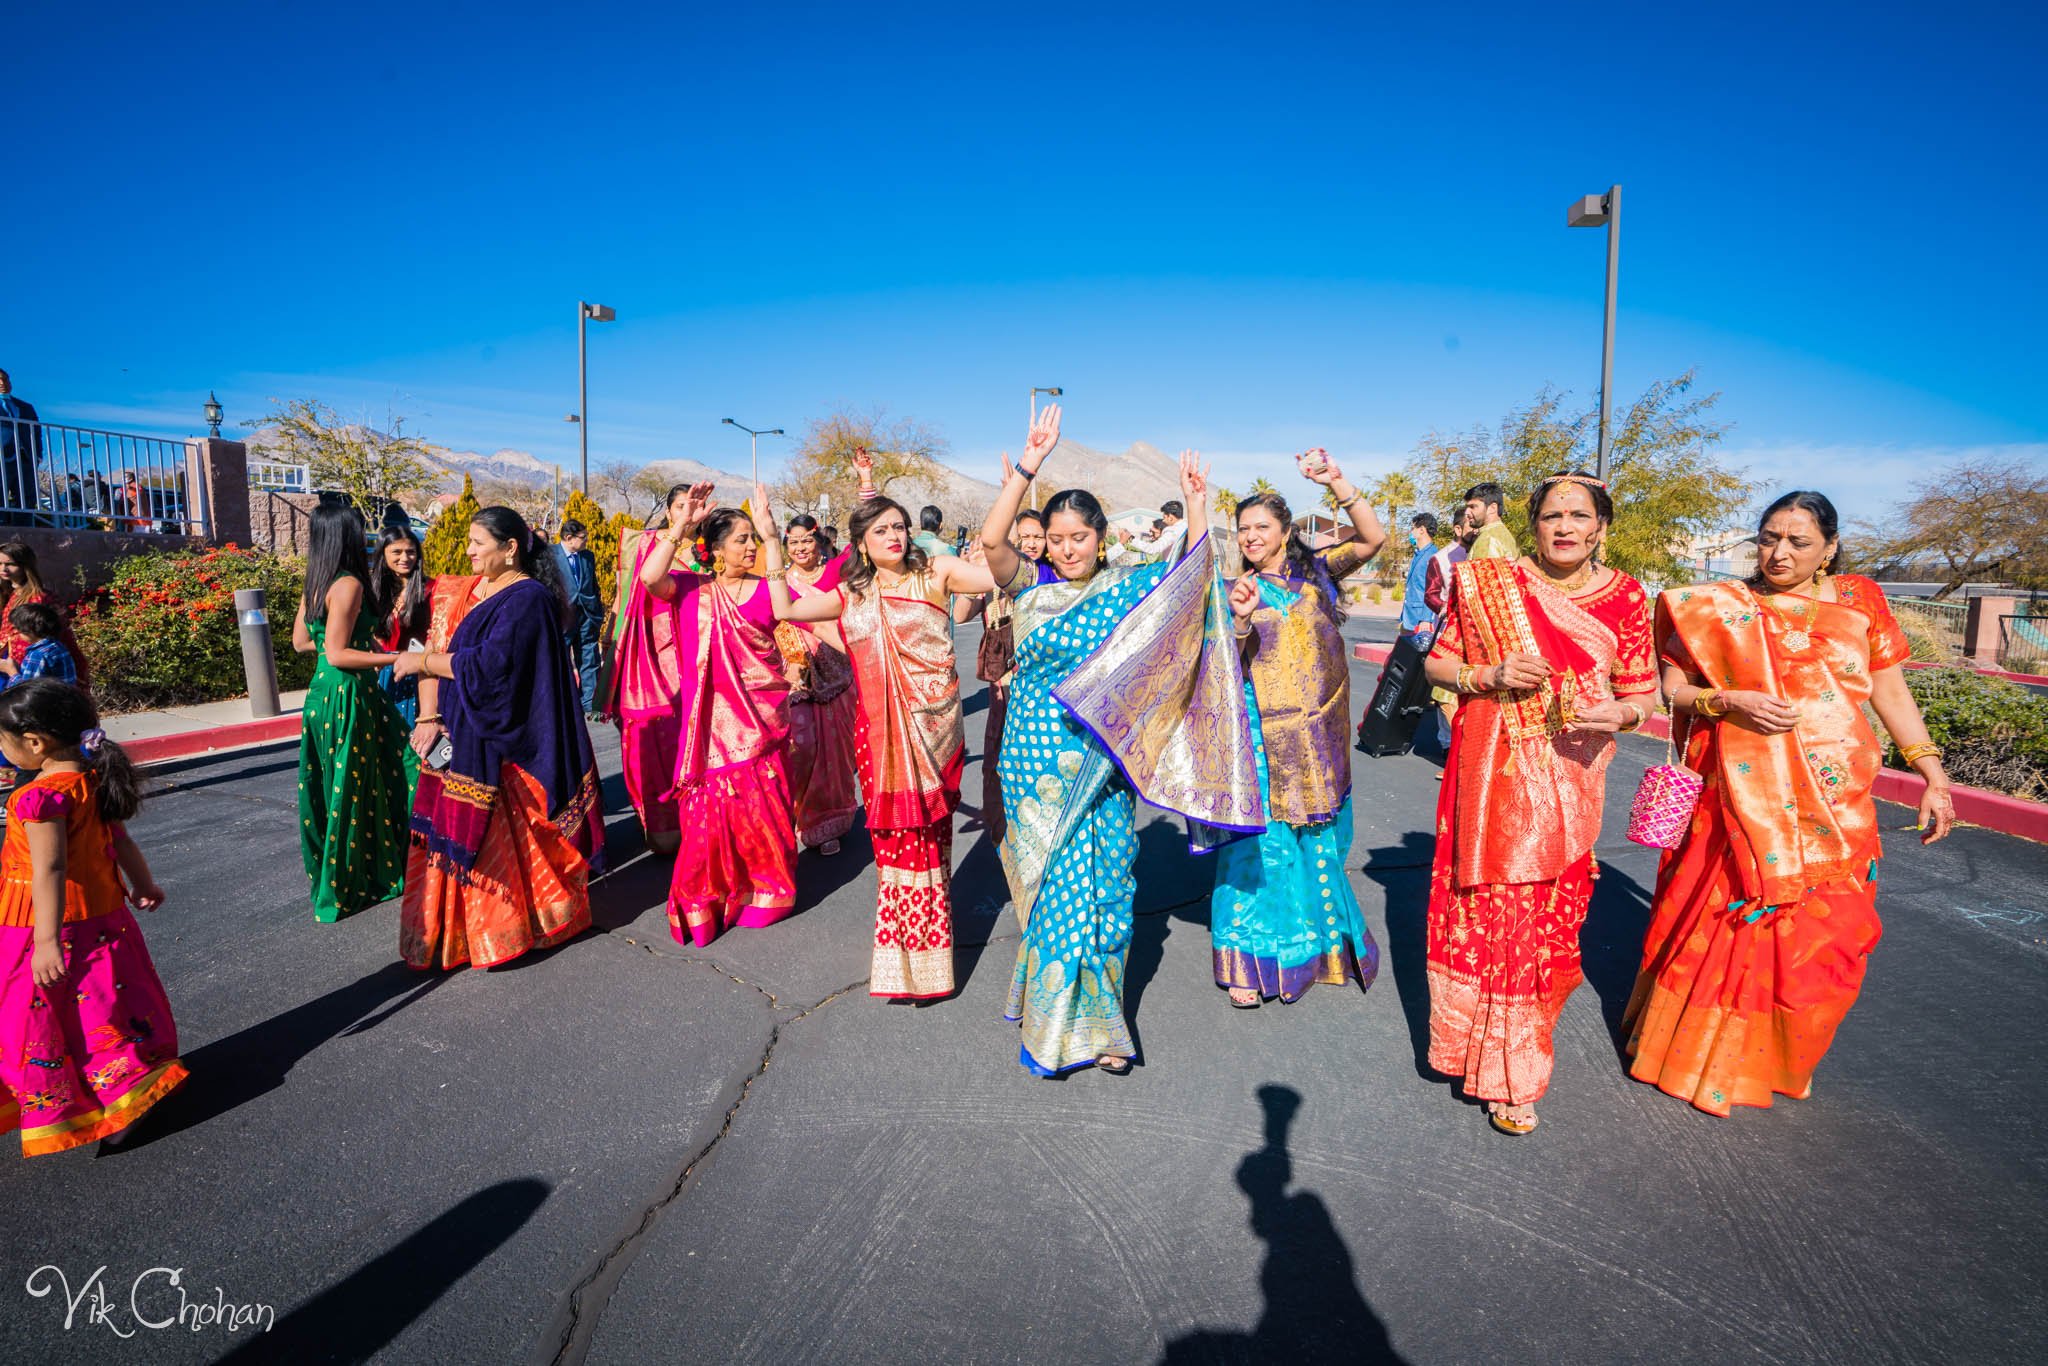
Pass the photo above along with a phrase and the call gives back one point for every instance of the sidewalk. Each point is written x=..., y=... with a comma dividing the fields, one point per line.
x=153, y=737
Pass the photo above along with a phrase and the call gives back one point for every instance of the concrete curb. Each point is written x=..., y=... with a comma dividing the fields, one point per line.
x=1993, y=810
x=159, y=749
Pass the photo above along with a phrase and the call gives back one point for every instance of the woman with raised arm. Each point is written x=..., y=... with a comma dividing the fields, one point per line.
x=356, y=774
x=507, y=834
x=1127, y=682
x=737, y=863
x=1766, y=913
x=822, y=713
x=646, y=682
x=891, y=607
x=1550, y=655
x=1283, y=916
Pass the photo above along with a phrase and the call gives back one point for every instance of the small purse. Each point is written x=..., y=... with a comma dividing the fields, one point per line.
x=1665, y=800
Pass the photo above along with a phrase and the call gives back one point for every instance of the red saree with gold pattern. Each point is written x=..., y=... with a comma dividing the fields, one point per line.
x=910, y=750
x=1765, y=916
x=737, y=863
x=1517, y=820
x=822, y=716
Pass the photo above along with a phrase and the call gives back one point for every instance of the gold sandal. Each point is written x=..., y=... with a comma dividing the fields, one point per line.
x=1509, y=1125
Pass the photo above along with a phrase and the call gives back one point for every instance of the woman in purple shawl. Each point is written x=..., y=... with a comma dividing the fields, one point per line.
x=506, y=836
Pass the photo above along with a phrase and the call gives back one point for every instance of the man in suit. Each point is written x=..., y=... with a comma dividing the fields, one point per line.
x=585, y=636
x=21, y=446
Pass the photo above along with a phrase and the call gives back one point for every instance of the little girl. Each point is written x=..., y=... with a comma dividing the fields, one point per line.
x=87, y=1043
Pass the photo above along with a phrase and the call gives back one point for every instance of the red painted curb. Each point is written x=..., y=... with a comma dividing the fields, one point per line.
x=157, y=749
x=1993, y=810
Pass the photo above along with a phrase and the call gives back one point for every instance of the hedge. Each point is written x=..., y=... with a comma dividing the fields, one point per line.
x=1993, y=733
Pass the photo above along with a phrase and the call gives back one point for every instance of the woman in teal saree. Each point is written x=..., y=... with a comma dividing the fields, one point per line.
x=1127, y=686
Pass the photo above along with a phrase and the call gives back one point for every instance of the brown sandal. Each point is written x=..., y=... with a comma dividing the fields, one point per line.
x=1510, y=1124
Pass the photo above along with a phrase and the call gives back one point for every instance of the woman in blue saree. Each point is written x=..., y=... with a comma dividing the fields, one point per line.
x=1126, y=686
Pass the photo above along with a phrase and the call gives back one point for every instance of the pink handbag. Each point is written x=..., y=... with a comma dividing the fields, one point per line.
x=1662, y=810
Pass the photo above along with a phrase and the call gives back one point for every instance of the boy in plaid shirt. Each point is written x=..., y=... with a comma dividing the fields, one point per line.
x=45, y=656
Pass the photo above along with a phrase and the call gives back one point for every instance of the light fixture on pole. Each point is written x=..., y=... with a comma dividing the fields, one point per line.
x=213, y=415
x=1055, y=392
x=755, y=439
x=586, y=313
x=1597, y=211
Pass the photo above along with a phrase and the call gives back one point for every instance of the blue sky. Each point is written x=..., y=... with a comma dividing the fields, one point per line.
x=1247, y=229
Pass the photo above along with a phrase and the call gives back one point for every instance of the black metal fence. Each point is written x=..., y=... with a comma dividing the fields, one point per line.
x=83, y=479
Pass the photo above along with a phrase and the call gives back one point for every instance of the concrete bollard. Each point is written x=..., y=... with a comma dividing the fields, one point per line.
x=259, y=665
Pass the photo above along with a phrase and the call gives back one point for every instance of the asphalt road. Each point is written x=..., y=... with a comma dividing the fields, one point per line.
x=625, y=1151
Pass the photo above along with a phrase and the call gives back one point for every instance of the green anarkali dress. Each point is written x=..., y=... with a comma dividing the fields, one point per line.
x=356, y=778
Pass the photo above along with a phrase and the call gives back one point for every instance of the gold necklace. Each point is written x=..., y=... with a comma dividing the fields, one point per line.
x=1570, y=583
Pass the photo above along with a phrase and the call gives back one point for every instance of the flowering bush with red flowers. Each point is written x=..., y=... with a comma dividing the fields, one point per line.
x=162, y=631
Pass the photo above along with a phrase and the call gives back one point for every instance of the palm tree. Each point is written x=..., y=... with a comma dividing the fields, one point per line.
x=1393, y=491
x=1226, y=501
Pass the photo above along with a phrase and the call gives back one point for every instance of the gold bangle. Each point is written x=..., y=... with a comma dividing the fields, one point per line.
x=1913, y=754
x=1467, y=676
x=1703, y=704
x=776, y=574
x=1640, y=715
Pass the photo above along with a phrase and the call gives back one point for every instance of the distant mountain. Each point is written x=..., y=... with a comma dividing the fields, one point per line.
x=1143, y=476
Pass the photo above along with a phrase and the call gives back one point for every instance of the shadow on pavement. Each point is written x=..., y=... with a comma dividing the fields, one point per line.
x=359, y=1316
x=164, y=781
x=231, y=1072
x=1402, y=872
x=1611, y=945
x=1314, y=1309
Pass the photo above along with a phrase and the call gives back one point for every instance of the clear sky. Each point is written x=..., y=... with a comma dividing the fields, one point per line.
x=1248, y=228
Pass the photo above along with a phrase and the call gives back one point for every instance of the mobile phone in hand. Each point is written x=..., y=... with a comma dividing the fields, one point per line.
x=442, y=754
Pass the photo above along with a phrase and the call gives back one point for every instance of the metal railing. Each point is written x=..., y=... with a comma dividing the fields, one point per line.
x=2023, y=644
x=1940, y=625
x=279, y=476
x=83, y=479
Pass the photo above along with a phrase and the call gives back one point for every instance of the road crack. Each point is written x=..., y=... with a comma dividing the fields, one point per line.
x=568, y=1339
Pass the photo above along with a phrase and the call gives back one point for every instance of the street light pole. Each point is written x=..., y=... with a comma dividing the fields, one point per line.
x=1594, y=211
x=585, y=313
x=755, y=439
x=1055, y=391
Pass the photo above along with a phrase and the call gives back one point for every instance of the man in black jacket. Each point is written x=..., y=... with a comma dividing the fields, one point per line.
x=586, y=626
x=21, y=446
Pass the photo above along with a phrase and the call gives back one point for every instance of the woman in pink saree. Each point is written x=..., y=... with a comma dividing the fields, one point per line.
x=646, y=685
x=737, y=861
x=822, y=709
x=891, y=606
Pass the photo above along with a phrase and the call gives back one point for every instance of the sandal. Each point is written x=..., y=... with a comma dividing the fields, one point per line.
x=1244, y=998
x=828, y=848
x=1514, y=1125
x=1114, y=1065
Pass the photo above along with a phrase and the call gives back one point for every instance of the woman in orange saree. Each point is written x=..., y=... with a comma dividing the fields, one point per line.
x=891, y=607
x=737, y=863
x=645, y=686
x=506, y=835
x=1765, y=914
x=822, y=710
x=1550, y=655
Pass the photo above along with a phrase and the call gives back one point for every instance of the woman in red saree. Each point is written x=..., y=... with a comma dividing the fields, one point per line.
x=737, y=861
x=891, y=607
x=506, y=836
x=822, y=710
x=1765, y=914
x=646, y=685
x=1550, y=655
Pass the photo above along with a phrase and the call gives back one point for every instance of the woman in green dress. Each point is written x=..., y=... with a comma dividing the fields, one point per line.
x=356, y=771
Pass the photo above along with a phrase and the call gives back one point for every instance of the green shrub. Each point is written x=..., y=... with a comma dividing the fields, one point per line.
x=1993, y=734
x=163, y=631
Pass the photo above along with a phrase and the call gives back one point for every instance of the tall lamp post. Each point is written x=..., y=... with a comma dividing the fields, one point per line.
x=1596, y=211
x=755, y=439
x=1055, y=391
x=586, y=313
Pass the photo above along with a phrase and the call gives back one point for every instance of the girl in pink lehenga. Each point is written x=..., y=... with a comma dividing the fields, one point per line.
x=822, y=709
x=646, y=686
